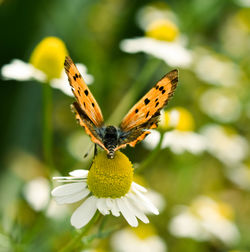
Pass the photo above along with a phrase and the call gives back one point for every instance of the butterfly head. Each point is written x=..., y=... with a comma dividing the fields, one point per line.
x=110, y=140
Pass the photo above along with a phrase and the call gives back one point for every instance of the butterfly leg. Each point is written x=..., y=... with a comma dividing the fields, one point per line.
x=95, y=151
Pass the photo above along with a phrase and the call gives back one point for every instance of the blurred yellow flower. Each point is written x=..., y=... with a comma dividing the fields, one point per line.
x=48, y=56
x=162, y=29
x=143, y=238
x=177, y=118
x=45, y=66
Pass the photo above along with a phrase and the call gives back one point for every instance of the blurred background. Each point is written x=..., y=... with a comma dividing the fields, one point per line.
x=200, y=177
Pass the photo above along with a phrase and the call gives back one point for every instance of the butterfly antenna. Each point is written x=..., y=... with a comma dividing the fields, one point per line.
x=89, y=150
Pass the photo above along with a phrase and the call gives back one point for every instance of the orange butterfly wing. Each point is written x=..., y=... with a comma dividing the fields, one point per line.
x=82, y=93
x=89, y=126
x=151, y=103
x=145, y=114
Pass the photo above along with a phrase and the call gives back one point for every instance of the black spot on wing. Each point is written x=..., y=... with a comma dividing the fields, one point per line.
x=136, y=111
x=161, y=88
x=86, y=92
x=146, y=101
x=147, y=114
x=93, y=105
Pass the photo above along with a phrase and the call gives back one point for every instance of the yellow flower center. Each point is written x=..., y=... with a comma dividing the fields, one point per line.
x=110, y=177
x=162, y=29
x=48, y=56
x=144, y=231
x=178, y=118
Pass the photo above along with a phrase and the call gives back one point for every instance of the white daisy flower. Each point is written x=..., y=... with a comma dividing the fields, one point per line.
x=240, y=175
x=45, y=66
x=177, y=141
x=172, y=53
x=225, y=144
x=205, y=220
x=221, y=104
x=37, y=192
x=216, y=69
x=107, y=187
x=161, y=39
x=182, y=138
x=143, y=238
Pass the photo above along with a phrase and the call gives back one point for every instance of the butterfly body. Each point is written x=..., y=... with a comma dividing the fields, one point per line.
x=135, y=126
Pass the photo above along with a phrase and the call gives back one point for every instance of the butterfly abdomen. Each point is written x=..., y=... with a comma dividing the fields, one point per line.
x=110, y=140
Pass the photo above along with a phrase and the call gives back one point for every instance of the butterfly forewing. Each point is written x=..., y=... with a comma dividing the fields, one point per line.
x=151, y=103
x=82, y=93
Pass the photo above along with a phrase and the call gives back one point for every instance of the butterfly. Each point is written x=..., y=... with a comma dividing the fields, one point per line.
x=135, y=126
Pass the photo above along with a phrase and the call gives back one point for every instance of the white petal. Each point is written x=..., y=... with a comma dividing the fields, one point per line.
x=130, y=217
x=139, y=187
x=68, y=189
x=37, y=193
x=21, y=71
x=88, y=78
x=72, y=198
x=101, y=206
x=145, y=201
x=79, y=173
x=139, y=214
x=112, y=205
x=151, y=141
x=173, y=53
x=84, y=213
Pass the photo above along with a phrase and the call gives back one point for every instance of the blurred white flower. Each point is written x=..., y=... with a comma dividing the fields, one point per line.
x=220, y=104
x=22, y=71
x=107, y=187
x=55, y=211
x=37, y=193
x=79, y=144
x=130, y=240
x=172, y=53
x=240, y=175
x=157, y=200
x=243, y=3
x=226, y=145
x=182, y=138
x=215, y=69
x=234, y=34
x=45, y=65
x=162, y=37
x=150, y=13
x=178, y=141
x=205, y=220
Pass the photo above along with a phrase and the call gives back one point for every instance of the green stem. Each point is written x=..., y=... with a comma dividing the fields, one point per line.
x=47, y=126
x=73, y=243
x=151, y=156
x=149, y=68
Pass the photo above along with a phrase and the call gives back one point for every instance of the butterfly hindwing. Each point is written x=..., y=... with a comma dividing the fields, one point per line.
x=84, y=97
x=151, y=103
x=138, y=133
